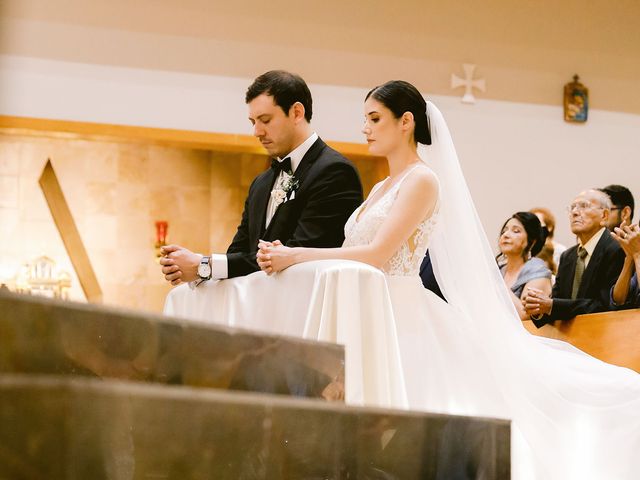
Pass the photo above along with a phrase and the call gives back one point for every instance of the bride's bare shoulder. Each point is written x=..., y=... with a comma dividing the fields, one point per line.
x=422, y=178
x=419, y=192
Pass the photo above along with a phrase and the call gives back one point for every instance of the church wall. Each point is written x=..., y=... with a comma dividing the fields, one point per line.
x=515, y=155
x=525, y=50
x=115, y=191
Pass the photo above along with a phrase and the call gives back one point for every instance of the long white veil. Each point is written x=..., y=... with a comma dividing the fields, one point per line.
x=585, y=412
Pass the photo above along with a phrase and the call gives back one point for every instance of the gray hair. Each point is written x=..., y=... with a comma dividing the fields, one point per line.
x=603, y=199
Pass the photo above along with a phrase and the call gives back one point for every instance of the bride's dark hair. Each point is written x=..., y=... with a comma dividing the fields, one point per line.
x=400, y=97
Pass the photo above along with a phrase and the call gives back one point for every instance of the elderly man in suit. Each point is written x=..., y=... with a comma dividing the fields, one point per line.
x=587, y=271
x=304, y=199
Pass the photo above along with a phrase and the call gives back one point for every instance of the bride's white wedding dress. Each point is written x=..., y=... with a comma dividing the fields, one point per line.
x=574, y=417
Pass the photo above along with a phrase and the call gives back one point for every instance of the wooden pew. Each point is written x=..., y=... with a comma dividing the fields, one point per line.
x=613, y=337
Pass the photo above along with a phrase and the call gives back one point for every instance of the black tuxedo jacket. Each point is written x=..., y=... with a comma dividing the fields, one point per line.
x=329, y=190
x=598, y=278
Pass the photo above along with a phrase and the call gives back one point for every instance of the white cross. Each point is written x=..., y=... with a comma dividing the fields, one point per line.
x=468, y=83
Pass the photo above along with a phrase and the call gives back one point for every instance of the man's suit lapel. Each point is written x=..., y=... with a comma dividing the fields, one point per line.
x=594, y=262
x=309, y=158
x=300, y=174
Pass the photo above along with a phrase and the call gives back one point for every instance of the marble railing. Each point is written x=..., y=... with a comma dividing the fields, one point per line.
x=88, y=392
x=41, y=336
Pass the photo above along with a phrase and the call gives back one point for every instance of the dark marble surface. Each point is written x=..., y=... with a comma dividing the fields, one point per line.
x=76, y=428
x=41, y=336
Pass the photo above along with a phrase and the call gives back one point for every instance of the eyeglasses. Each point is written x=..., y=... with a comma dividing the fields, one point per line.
x=616, y=208
x=582, y=207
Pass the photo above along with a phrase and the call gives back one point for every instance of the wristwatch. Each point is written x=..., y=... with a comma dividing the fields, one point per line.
x=204, y=269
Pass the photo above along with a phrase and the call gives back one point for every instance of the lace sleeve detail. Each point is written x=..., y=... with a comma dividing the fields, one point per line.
x=364, y=224
x=408, y=258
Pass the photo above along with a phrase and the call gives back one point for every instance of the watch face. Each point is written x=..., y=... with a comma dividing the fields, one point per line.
x=204, y=270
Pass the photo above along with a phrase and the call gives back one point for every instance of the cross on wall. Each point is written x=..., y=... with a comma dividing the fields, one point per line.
x=468, y=82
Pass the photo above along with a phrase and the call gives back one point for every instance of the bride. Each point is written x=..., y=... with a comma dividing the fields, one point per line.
x=574, y=417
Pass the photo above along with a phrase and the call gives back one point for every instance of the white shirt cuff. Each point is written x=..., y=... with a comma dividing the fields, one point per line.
x=219, y=270
x=219, y=266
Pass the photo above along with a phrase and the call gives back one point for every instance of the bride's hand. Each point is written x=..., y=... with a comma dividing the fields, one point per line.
x=263, y=256
x=281, y=257
x=274, y=257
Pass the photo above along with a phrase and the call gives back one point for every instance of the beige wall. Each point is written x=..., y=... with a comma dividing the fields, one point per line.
x=116, y=191
x=525, y=50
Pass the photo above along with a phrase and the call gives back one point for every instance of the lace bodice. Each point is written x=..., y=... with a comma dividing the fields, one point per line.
x=361, y=230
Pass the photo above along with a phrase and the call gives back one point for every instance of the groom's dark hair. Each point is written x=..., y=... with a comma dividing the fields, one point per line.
x=286, y=89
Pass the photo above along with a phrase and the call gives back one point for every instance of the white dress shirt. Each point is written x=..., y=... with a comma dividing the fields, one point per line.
x=590, y=246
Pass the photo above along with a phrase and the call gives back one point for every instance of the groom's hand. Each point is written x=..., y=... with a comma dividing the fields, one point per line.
x=179, y=264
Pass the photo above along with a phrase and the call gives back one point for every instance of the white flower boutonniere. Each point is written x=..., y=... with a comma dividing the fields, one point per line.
x=285, y=188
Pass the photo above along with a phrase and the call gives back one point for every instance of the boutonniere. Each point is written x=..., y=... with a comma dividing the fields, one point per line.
x=285, y=188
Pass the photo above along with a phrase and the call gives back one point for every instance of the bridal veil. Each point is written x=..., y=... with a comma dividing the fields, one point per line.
x=585, y=413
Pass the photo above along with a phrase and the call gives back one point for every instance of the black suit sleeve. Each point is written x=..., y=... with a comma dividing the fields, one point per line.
x=331, y=200
x=564, y=308
x=241, y=256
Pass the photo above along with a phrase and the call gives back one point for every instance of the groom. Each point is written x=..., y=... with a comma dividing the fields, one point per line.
x=304, y=199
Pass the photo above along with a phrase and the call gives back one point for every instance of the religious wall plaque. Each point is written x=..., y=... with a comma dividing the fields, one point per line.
x=576, y=101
